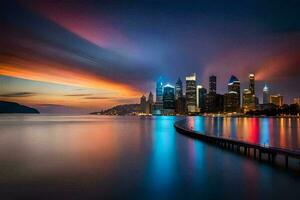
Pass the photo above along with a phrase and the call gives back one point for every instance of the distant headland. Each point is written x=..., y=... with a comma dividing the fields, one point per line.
x=12, y=107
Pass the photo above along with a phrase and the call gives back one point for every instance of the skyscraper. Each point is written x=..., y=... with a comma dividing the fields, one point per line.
x=143, y=103
x=252, y=83
x=213, y=84
x=178, y=89
x=149, y=104
x=150, y=98
x=168, y=99
x=201, y=94
x=233, y=97
x=158, y=105
x=191, y=99
x=276, y=100
x=159, y=90
x=297, y=100
x=249, y=101
x=266, y=95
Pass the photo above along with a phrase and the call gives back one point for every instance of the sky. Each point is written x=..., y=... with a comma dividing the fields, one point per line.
x=83, y=56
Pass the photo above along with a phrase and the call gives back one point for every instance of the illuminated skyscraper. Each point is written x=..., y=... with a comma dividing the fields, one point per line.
x=252, y=83
x=158, y=106
x=201, y=94
x=297, y=100
x=276, y=100
x=249, y=101
x=191, y=99
x=169, y=99
x=213, y=84
x=159, y=90
x=178, y=89
x=232, y=99
x=266, y=95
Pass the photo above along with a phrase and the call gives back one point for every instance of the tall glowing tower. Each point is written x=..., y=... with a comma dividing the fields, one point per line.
x=266, y=95
x=252, y=83
x=178, y=89
x=191, y=99
x=159, y=90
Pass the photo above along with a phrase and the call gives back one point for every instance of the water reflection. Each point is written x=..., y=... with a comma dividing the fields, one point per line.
x=100, y=157
x=163, y=155
x=279, y=132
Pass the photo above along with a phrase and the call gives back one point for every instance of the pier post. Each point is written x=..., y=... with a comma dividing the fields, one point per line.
x=259, y=152
x=286, y=161
x=245, y=150
x=273, y=157
x=254, y=153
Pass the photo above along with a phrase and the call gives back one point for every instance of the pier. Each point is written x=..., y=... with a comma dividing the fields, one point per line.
x=240, y=146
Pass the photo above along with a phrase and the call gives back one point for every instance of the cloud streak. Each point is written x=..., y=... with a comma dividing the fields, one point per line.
x=18, y=94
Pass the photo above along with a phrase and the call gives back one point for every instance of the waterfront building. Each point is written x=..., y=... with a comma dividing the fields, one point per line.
x=159, y=90
x=149, y=104
x=233, y=97
x=266, y=95
x=297, y=101
x=191, y=99
x=214, y=102
x=231, y=102
x=143, y=103
x=201, y=94
x=252, y=83
x=168, y=99
x=158, y=105
x=178, y=89
x=219, y=103
x=180, y=106
x=276, y=100
x=213, y=84
x=249, y=101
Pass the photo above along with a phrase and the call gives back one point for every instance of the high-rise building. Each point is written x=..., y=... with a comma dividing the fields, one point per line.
x=143, y=103
x=252, y=83
x=201, y=94
x=266, y=94
x=159, y=90
x=219, y=103
x=149, y=104
x=169, y=97
x=150, y=98
x=191, y=99
x=213, y=84
x=276, y=100
x=249, y=101
x=231, y=102
x=297, y=101
x=232, y=99
x=180, y=106
x=158, y=105
x=178, y=89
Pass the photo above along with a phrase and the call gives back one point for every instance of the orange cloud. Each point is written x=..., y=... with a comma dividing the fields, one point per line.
x=280, y=66
x=69, y=77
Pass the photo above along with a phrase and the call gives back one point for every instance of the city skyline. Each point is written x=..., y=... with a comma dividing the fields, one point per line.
x=113, y=53
x=195, y=99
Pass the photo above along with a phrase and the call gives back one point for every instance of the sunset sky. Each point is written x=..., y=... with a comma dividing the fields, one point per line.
x=82, y=56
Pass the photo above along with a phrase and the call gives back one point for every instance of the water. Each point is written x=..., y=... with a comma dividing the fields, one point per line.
x=273, y=132
x=104, y=157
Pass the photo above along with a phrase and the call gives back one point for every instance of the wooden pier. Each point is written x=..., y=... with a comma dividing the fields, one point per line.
x=240, y=146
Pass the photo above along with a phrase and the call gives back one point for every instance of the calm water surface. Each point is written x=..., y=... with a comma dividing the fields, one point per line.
x=277, y=132
x=84, y=157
